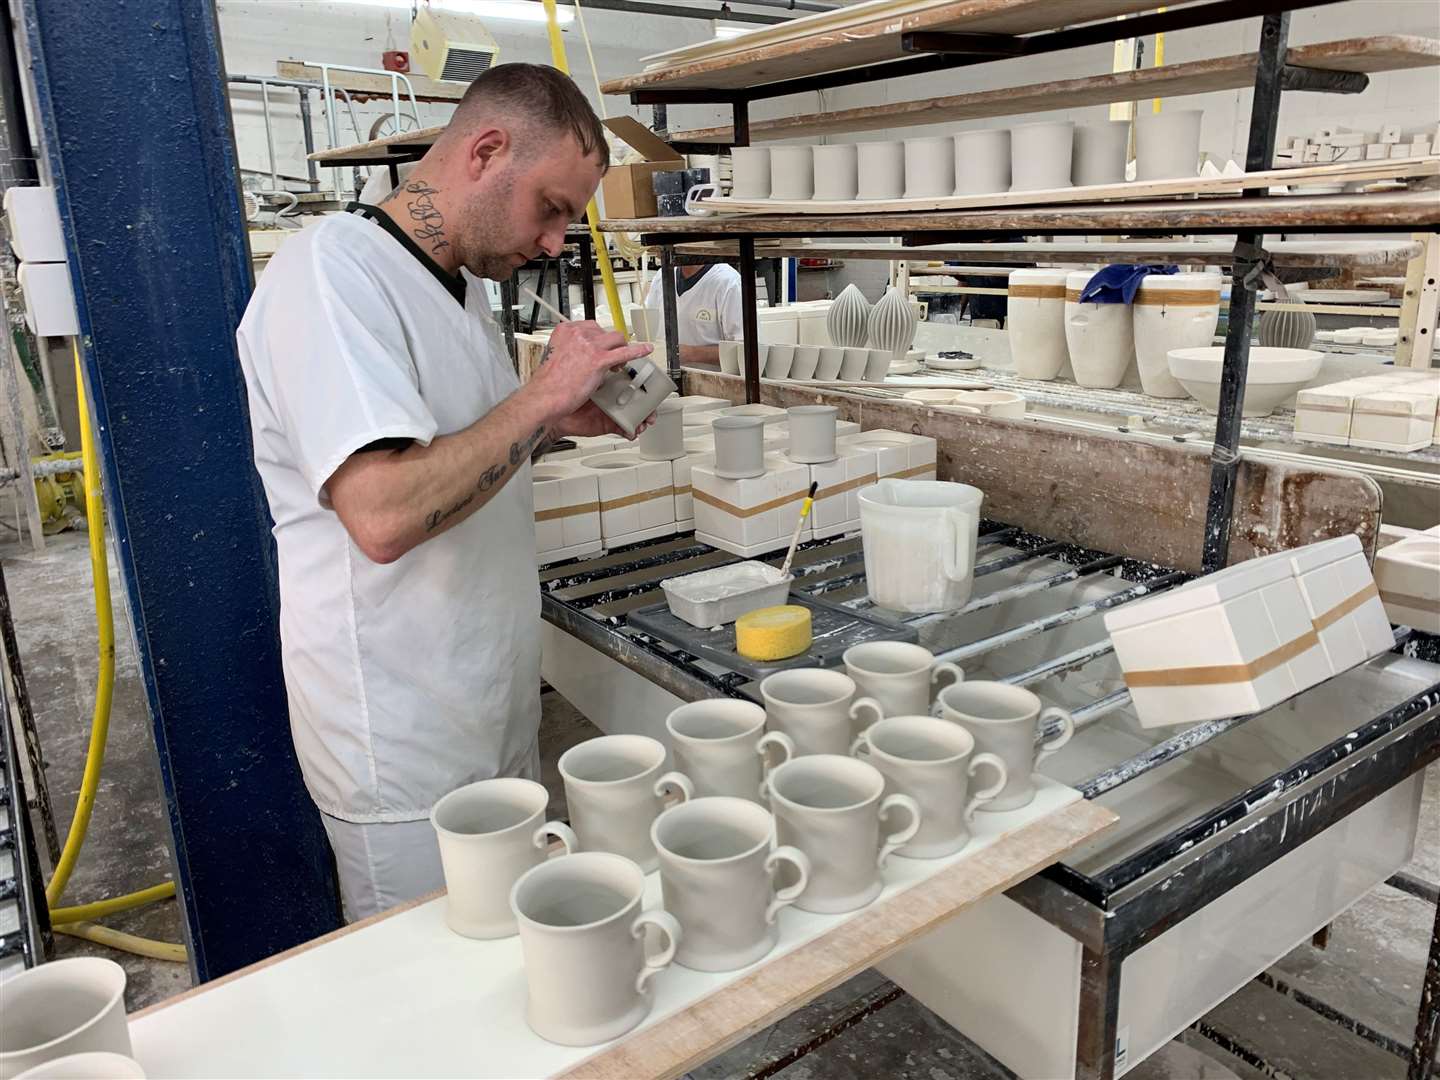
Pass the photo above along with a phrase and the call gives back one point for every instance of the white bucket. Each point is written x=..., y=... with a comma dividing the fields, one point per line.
x=919, y=538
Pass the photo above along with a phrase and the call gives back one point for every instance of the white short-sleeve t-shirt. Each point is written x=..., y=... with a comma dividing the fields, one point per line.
x=709, y=311
x=406, y=680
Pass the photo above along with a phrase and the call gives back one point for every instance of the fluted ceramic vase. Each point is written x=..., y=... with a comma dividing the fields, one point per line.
x=892, y=324
x=1287, y=329
x=848, y=318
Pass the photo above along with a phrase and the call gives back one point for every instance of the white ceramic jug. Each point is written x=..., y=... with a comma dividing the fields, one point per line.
x=919, y=538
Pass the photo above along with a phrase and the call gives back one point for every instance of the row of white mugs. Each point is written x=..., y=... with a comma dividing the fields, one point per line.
x=1047, y=155
x=822, y=363
x=833, y=767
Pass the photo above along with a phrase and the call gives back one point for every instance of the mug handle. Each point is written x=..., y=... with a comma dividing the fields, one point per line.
x=787, y=748
x=960, y=552
x=1067, y=729
x=785, y=897
x=666, y=924
x=560, y=831
x=866, y=704
x=905, y=835
x=679, y=782
x=985, y=794
x=956, y=673
x=861, y=743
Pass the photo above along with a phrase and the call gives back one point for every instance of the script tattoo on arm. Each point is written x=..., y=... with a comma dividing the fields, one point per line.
x=430, y=223
x=490, y=478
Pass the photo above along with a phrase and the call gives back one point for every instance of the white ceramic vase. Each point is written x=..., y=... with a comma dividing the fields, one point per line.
x=929, y=167
x=1035, y=322
x=1100, y=153
x=1167, y=144
x=891, y=324
x=792, y=172
x=1099, y=337
x=1287, y=329
x=982, y=162
x=750, y=172
x=1172, y=311
x=882, y=170
x=846, y=320
x=1040, y=155
x=837, y=172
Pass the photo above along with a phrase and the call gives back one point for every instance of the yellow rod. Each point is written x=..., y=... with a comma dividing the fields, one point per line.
x=1159, y=62
x=105, y=626
x=592, y=209
x=117, y=939
x=113, y=906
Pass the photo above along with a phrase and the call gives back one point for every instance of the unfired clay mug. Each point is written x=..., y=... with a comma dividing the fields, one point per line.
x=739, y=446
x=837, y=176
x=70, y=1006
x=1005, y=721
x=817, y=709
x=792, y=172
x=583, y=937
x=812, y=433
x=664, y=440
x=831, y=808
x=721, y=745
x=751, y=172
x=899, y=675
x=490, y=832
x=932, y=761
x=93, y=1065
x=882, y=170
x=614, y=789
x=717, y=874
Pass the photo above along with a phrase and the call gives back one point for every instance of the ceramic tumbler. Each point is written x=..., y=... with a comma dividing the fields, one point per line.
x=899, y=675
x=614, y=787
x=490, y=832
x=1172, y=311
x=852, y=368
x=94, y=1065
x=832, y=807
x=721, y=745
x=831, y=359
x=1100, y=338
x=1035, y=322
x=882, y=170
x=1100, y=153
x=1005, y=721
x=70, y=1006
x=792, y=172
x=877, y=364
x=932, y=761
x=583, y=937
x=812, y=433
x=664, y=440
x=750, y=177
x=739, y=446
x=779, y=360
x=807, y=359
x=1040, y=155
x=1167, y=144
x=732, y=357
x=718, y=877
x=982, y=162
x=817, y=708
x=929, y=167
x=837, y=172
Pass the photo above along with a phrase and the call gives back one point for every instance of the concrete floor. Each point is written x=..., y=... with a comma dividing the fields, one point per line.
x=1370, y=971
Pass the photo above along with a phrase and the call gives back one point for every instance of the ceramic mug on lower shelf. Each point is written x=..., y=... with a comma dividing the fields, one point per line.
x=583, y=937
x=817, y=708
x=615, y=789
x=831, y=808
x=837, y=175
x=899, y=675
x=721, y=745
x=1006, y=720
x=490, y=832
x=932, y=761
x=718, y=877
x=882, y=170
x=70, y=1006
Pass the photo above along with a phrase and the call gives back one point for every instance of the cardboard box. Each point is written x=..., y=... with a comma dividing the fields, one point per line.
x=626, y=189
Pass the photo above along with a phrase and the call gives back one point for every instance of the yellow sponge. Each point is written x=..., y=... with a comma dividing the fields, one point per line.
x=773, y=633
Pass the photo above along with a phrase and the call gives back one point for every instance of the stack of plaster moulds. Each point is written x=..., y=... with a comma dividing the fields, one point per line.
x=1396, y=410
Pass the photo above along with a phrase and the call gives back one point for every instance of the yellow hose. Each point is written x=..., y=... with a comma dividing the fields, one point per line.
x=116, y=939
x=113, y=906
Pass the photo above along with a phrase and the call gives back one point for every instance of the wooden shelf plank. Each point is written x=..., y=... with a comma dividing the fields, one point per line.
x=359, y=82
x=404, y=147
x=1387, y=53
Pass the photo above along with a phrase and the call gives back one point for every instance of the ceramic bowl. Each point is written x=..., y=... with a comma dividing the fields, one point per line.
x=1275, y=374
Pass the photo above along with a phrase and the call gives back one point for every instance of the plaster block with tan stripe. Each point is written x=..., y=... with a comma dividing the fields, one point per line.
x=751, y=516
x=681, y=469
x=837, y=497
x=567, y=511
x=897, y=453
x=637, y=497
x=1401, y=419
x=1342, y=601
x=1408, y=576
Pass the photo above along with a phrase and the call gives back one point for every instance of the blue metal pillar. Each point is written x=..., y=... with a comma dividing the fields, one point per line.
x=136, y=129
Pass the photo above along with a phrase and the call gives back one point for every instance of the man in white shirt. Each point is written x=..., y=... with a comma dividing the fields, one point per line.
x=707, y=309
x=394, y=442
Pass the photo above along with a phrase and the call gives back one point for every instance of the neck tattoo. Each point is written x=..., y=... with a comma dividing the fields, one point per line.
x=419, y=198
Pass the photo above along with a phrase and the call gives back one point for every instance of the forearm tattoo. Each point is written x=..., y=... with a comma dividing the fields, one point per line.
x=492, y=477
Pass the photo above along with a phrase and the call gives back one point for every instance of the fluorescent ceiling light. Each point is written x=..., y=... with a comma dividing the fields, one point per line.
x=723, y=31
x=515, y=10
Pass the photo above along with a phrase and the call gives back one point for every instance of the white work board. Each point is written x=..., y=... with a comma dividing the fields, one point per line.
x=404, y=996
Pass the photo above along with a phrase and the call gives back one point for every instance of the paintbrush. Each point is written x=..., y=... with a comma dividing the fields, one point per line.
x=551, y=308
x=795, y=540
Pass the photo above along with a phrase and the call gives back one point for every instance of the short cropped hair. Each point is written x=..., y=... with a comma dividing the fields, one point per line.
x=542, y=95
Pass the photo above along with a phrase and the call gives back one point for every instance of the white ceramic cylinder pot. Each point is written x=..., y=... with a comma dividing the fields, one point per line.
x=837, y=172
x=1040, y=155
x=1167, y=144
x=1005, y=721
x=718, y=876
x=739, y=446
x=1100, y=337
x=882, y=169
x=929, y=167
x=919, y=539
x=664, y=440
x=1035, y=322
x=899, y=675
x=720, y=744
x=932, y=761
x=70, y=1006
x=832, y=809
x=982, y=162
x=1100, y=152
x=750, y=172
x=1172, y=311
x=817, y=709
x=95, y=1065
x=792, y=172
x=490, y=832
x=847, y=319
x=583, y=937
x=812, y=433
x=615, y=787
